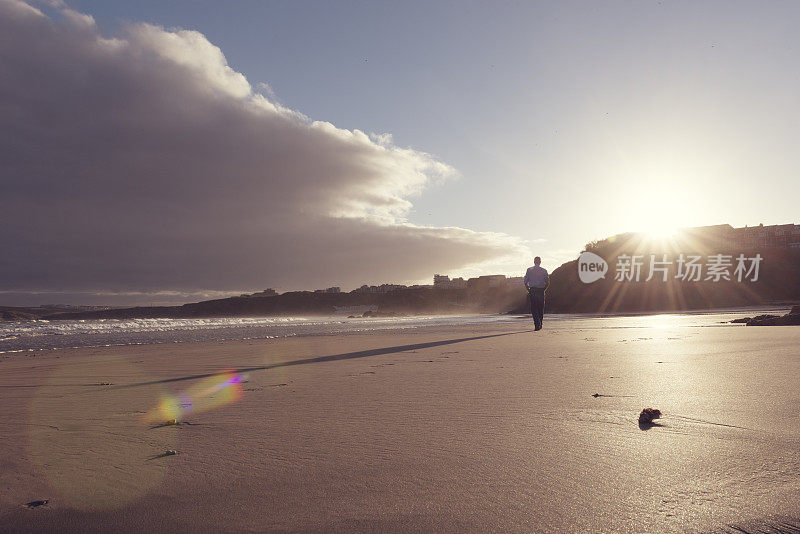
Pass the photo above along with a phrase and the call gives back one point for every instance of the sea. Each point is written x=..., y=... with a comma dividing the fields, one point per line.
x=20, y=336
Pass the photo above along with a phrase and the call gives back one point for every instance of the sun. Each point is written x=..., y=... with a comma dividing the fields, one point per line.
x=661, y=232
x=657, y=209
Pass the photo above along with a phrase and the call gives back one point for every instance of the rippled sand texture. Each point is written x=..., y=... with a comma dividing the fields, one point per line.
x=460, y=429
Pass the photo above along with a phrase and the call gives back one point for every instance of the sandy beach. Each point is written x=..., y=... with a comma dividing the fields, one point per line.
x=479, y=428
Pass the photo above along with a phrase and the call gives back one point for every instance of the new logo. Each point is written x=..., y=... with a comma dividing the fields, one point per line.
x=591, y=267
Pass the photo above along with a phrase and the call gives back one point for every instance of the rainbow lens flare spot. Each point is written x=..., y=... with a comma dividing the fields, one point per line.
x=211, y=392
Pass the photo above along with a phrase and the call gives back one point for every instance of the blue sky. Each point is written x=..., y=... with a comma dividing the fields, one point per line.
x=565, y=121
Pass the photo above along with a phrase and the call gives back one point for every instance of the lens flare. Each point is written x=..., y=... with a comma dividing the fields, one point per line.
x=212, y=392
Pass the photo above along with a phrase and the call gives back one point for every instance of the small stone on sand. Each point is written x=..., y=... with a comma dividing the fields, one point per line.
x=648, y=414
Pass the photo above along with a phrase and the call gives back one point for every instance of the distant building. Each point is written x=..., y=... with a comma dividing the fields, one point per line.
x=269, y=292
x=366, y=289
x=334, y=289
x=487, y=281
x=458, y=283
x=441, y=281
x=775, y=236
x=515, y=281
x=748, y=237
x=383, y=288
x=494, y=280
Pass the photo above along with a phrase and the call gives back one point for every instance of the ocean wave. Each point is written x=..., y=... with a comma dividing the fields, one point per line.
x=104, y=326
x=43, y=334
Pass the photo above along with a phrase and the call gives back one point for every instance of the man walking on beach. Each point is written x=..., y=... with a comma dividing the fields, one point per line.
x=536, y=282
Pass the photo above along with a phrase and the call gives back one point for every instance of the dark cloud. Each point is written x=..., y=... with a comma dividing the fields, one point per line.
x=144, y=163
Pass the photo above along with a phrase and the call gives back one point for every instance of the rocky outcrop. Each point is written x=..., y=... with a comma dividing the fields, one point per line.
x=397, y=303
x=791, y=318
x=778, y=282
x=6, y=315
x=745, y=320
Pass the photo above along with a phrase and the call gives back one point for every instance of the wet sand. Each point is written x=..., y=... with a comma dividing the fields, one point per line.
x=490, y=428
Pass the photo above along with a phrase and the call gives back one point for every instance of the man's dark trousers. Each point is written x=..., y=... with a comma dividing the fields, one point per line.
x=536, y=295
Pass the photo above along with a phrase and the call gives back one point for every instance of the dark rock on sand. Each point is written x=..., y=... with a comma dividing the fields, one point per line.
x=791, y=318
x=647, y=416
x=756, y=318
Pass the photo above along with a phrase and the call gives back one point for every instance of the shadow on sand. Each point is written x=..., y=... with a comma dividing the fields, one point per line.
x=647, y=426
x=321, y=359
x=162, y=455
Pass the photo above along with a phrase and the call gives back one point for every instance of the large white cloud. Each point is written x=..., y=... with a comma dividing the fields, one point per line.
x=144, y=162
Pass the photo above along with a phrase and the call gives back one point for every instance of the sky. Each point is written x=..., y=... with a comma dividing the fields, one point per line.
x=170, y=151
